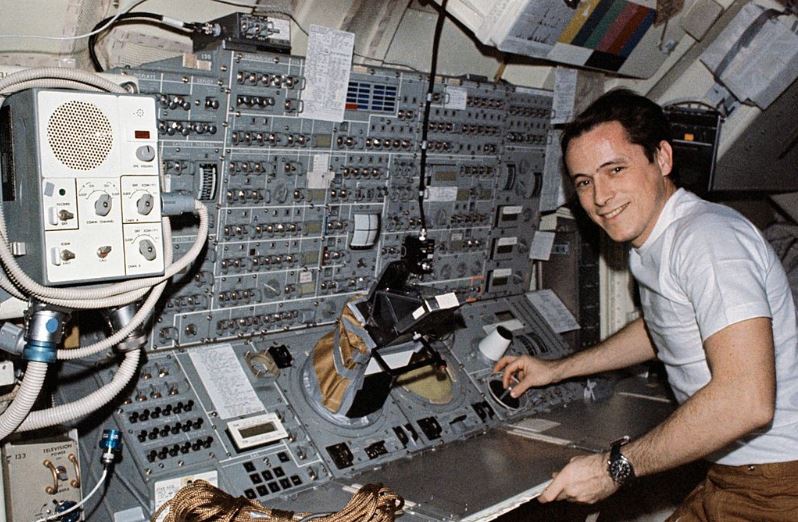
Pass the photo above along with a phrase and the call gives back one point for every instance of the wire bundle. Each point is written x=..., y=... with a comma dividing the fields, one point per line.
x=200, y=501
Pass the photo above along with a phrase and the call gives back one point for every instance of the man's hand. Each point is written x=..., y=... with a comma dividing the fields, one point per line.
x=528, y=370
x=584, y=479
x=631, y=345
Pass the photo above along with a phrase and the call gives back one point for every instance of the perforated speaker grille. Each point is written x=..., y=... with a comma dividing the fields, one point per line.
x=80, y=135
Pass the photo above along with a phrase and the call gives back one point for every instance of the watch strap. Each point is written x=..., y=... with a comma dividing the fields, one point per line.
x=619, y=467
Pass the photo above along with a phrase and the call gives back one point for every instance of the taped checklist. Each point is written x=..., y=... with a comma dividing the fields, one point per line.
x=320, y=175
x=542, y=243
x=564, y=95
x=327, y=68
x=456, y=98
x=553, y=310
x=224, y=380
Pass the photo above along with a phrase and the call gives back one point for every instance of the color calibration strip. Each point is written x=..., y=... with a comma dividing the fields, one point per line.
x=611, y=28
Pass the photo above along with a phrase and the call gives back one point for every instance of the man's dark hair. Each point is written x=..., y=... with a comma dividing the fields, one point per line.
x=643, y=120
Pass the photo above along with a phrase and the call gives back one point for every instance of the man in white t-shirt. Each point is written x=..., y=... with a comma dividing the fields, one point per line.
x=717, y=311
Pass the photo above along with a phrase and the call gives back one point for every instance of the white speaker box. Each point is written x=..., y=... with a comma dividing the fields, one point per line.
x=81, y=185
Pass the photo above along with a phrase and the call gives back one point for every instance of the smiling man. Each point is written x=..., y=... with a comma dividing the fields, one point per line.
x=717, y=311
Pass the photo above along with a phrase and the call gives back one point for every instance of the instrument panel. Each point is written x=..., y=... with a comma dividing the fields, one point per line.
x=304, y=216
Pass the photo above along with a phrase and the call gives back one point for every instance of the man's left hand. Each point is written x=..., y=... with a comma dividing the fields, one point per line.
x=584, y=480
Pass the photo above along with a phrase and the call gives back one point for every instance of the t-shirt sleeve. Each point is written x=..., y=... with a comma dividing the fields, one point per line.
x=722, y=269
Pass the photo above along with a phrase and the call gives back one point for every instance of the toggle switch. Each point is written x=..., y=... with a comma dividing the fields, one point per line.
x=59, y=216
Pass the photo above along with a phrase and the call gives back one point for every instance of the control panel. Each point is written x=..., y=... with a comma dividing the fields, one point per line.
x=304, y=217
x=42, y=478
x=91, y=211
x=240, y=411
x=306, y=213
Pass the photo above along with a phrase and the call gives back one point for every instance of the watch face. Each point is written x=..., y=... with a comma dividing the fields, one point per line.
x=620, y=470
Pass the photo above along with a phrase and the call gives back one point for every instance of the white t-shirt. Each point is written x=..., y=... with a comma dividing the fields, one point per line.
x=703, y=268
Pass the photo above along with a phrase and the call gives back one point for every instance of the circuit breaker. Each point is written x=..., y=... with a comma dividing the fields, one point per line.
x=81, y=185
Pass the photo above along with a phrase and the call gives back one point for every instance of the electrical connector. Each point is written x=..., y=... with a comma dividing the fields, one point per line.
x=244, y=32
x=176, y=203
x=44, y=331
x=119, y=317
x=214, y=30
x=111, y=444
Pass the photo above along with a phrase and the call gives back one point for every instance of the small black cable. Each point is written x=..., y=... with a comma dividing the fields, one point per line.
x=436, y=40
x=383, y=63
x=289, y=15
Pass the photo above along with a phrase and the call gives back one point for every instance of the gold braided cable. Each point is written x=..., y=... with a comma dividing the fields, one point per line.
x=200, y=501
x=371, y=503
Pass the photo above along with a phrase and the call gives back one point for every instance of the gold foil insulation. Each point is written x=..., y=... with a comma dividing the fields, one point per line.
x=333, y=385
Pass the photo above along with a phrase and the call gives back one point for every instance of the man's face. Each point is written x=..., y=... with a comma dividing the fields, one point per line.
x=619, y=188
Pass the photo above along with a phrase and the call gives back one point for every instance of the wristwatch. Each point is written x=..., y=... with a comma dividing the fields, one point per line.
x=619, y=467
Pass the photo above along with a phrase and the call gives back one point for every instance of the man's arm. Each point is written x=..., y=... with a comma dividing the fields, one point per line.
x=630, y=345
x=739, y=398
